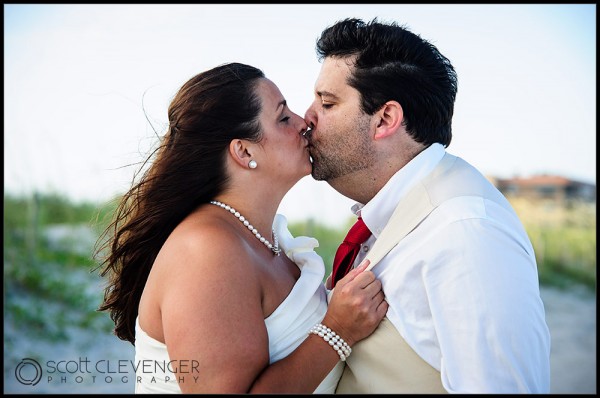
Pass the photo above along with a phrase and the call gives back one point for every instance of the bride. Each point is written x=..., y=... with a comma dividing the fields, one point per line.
x=204, y=277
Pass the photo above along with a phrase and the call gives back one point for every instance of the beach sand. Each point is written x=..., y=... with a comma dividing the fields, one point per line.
x=571, y=318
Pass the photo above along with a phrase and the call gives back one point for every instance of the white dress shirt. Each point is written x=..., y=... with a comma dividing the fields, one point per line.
x=463, y=289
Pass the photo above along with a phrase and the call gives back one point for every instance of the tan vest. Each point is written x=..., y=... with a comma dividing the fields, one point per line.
x=384, y=362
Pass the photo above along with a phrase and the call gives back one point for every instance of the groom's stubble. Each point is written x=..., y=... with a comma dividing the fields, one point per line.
x=338, y=152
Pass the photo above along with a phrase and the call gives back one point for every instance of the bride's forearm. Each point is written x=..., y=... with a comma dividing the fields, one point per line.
x=301, y=372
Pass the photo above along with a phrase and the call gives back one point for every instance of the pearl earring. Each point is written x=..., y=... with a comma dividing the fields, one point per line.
x=252, y=164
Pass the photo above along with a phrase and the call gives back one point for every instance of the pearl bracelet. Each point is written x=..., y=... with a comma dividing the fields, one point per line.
x=335, y=341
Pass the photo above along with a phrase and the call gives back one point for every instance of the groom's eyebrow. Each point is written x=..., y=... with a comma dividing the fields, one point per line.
x=327, y=94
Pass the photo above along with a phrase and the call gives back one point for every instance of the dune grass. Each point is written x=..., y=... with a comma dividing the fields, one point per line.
x=47, y=272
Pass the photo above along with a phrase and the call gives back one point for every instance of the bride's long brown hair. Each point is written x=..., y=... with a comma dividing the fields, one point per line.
x=188, y=170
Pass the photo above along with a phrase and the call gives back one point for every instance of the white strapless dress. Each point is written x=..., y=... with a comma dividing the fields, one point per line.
x=287, y=326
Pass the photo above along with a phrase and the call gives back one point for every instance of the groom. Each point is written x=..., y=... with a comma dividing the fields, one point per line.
x=457, y=267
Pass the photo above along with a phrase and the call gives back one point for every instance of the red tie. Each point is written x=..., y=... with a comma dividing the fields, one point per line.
x=348, y=250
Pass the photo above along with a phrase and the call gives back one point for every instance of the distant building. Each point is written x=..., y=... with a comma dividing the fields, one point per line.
x=548, y=187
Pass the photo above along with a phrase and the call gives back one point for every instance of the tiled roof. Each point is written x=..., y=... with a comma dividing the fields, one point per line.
x=537, y=180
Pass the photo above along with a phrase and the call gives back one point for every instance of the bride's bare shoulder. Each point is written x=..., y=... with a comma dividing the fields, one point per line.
x=205, y=244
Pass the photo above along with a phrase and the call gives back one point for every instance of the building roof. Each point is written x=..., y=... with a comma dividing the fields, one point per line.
x=537, y=180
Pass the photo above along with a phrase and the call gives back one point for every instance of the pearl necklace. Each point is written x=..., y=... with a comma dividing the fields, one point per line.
x=274, y=247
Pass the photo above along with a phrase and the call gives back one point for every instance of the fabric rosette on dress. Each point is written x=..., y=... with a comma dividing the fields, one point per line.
x=305, y=305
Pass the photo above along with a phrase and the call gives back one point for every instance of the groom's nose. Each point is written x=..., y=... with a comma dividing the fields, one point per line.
x=310, y=117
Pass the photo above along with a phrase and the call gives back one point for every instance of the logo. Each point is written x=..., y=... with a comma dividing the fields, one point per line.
x=28, y=372
x=84, y=371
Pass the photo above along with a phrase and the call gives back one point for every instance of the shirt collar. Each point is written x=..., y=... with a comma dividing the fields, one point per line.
x=378, y=210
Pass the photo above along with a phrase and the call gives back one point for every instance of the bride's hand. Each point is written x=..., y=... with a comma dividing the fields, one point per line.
x=357, y=305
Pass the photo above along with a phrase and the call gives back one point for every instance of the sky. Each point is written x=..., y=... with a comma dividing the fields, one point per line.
x=86, y=87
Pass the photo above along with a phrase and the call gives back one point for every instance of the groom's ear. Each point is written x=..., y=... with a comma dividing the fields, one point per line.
x=241, y=152
x=389, y=119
